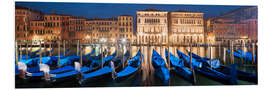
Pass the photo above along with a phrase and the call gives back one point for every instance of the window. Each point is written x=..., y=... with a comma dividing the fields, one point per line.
x=18, y=27
x=175, y=21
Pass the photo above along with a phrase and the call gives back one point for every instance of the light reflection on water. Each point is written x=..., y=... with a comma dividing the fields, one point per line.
x=146, y=76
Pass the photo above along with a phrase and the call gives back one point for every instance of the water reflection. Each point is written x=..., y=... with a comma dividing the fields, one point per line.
x=146, y=75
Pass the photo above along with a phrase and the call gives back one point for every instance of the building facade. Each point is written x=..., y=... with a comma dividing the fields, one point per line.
x=125, y=27
x=76, y=28
x=23, y=16
x=186, y=27
x=152, y=26
x=239, y=25
x=102, y=29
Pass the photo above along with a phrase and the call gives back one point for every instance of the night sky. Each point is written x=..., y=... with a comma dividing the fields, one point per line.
x=108, y=10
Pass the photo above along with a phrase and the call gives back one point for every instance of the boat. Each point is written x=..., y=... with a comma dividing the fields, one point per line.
x=31, y=55
x=109, y=70
x=78, y=73
x=131, y=69
x=33, y=71
x=45, y=60
x=35, y=54
x=195, y=63
x=228, y=79
x=217, y=71
x=213, y=63
x=178, y=67
x=161, y=71
x=247, y=55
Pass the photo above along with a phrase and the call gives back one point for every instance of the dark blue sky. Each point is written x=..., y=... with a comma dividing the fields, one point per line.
x=107, y=10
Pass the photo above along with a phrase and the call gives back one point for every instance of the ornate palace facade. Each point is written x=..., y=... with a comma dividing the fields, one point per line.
x=152, y=25
x=186, y=27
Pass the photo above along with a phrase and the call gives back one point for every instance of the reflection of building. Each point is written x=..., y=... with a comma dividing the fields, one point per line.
x=152, y=25
x=186, y=27
x=23, y=16
x=239, y=25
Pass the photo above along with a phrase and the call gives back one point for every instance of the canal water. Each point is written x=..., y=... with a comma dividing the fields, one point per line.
x=146, y=77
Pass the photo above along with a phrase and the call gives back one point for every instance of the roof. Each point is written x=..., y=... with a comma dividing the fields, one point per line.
x=151, y=9
x=186, y=11
x=26, y=8
x=102, y=18
x=126, y=15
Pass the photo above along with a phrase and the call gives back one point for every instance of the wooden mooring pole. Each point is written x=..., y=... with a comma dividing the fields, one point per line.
x=130, y=51
x=16, y=48
x=232, y=56
x=45, y=49
x=40, y=53
x=101, y=49
x=141, y=55
x=123, y=57
x=81, y=51
x=210, y=53
x=224, y=55
x=78, y=43
x=169, y=62
x=242, y=54
x=50, y=48
x=64, y=47
x=20, y=50
x=148, y=54
x=190, y=63
x=219, y=51
x=160, y=47
x=253, y=53
x=26, y=50
x=59, y=52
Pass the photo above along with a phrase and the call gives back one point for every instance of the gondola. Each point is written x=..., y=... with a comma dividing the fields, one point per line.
x=195, y=63
x=31, y=54
x=179, y=68
x=131, y=69
x=75, y=74
x=35, y=61
x=247, y=55
x=215, y=74
x=161, y=71
x=213, y=63
x=107, y=73
x=34, y=73
x=251, y=77
x=35, y=54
